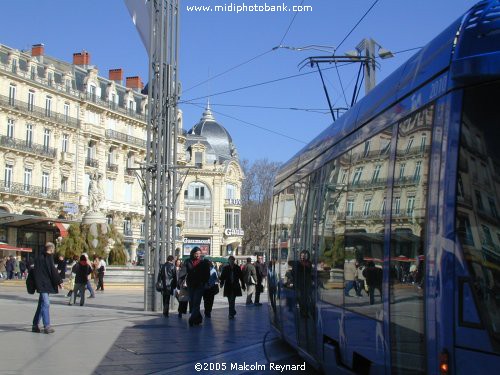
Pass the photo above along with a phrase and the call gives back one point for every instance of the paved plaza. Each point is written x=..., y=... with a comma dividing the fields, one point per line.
x=112, y=334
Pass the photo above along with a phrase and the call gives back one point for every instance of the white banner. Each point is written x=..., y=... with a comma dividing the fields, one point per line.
x=140, y=11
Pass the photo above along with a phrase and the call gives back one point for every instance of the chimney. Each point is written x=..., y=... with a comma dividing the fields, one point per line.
x=38, y=50
x=135, y=83
x=116, y=75
x=81, y=58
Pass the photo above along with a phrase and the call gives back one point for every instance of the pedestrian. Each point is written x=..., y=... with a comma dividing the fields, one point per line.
x=261, y=269
x=72, y=276
x=61, y=266
x=230, y=279
x=250, y=277
x=350, y=277
x=3, y=271
x=211, y=289
x=22, y=268
x=89, y=283
x=9, y=267
x=359, y=279
x=17, y=269
x=303, y=283
x=373, y=278
x=198, y=273
x=101, y=269
x=82, y=275
x=182, y=293
x=47, y=281
x=168, y=278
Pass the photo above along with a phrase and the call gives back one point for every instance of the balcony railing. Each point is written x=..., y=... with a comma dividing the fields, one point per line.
x=114, y=107
x=33, y=110
x=113, y=134
x=39, y=80
x=22, y=145
x=128, y=232
x=28, y=190
x=128, y=172
x=89, y=162
x=112, y=167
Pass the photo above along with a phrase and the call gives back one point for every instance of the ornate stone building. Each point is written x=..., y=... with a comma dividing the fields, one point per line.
x=61, y=123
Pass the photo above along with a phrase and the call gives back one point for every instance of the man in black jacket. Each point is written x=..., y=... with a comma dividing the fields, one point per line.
x=168, y=278
x=198, y=273
x=47, y=281
x=261, y=269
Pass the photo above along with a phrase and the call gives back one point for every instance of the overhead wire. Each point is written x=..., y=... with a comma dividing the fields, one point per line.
x=290, y=25
x=313, y=110
x=356, y=25
x=256, y=84
x=252, y=124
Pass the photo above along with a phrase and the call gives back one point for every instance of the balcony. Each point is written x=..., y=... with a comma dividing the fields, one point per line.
x=28, y=190
x=129, y=172
x=67, y=157
x=30, y=147
x=114, y=106
x=89, y=162
x=112, y=167
x=33, y=110
x=39, y=80
x=128, y=232
x=125, y=138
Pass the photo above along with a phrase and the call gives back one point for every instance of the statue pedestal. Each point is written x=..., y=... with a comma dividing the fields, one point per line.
x=94, y=217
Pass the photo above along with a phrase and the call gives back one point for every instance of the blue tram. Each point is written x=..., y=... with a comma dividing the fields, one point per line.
x=385, y=229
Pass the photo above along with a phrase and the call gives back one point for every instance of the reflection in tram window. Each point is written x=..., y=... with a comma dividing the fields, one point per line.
x=478, y=223
x=406, y=266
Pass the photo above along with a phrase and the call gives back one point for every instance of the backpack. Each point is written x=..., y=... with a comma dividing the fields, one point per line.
x=30, y=281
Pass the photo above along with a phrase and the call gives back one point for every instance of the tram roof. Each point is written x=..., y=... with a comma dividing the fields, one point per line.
x=429, y=62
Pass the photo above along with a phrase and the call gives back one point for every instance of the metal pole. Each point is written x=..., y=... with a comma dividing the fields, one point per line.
x=163, y=96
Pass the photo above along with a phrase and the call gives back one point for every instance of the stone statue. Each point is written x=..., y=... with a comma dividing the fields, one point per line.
x=96, y=193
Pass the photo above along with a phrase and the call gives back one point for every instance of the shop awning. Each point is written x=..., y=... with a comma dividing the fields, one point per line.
x=63, y=228
x=4, y=246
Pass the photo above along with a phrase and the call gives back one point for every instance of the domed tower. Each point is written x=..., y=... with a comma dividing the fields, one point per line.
x=210, y=199
x=220, y=144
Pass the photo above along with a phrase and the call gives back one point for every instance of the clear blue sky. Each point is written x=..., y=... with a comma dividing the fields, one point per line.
x=212, y=43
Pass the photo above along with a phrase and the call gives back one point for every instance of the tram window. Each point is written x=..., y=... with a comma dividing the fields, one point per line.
x=333, y=205
x=364, y=228
x=477, y=219
x=406, y=267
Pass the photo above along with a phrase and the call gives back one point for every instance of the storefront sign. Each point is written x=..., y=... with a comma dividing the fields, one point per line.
x=234, y=232
x=202, y=243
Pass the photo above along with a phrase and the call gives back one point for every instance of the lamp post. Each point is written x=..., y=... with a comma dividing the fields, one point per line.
x=366, y=48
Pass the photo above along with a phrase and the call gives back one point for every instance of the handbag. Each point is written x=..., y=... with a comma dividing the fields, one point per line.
x=30, y=281
x=183, y=295
x=159, y=286
x=214, y=289
x=260, y=288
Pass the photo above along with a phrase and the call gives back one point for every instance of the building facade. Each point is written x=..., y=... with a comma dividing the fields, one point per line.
x=61, y=123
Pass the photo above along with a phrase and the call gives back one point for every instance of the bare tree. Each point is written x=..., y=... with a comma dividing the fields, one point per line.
x=256, y=195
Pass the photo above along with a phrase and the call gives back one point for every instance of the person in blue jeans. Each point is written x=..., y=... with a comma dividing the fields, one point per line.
x=47, y=282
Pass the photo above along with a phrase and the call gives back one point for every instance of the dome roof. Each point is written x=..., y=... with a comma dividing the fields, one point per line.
x=215, y=134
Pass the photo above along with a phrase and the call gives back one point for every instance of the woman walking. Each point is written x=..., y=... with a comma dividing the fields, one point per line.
x=82, y=272
x=211, y=290
x=182, y=293
x=231, y=278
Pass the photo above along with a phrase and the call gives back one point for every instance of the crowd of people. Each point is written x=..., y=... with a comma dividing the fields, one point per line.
x=198, y=279
x=190, y=282
x=13, y=267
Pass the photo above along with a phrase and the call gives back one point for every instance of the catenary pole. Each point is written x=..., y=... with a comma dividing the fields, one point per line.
x=160, y=176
